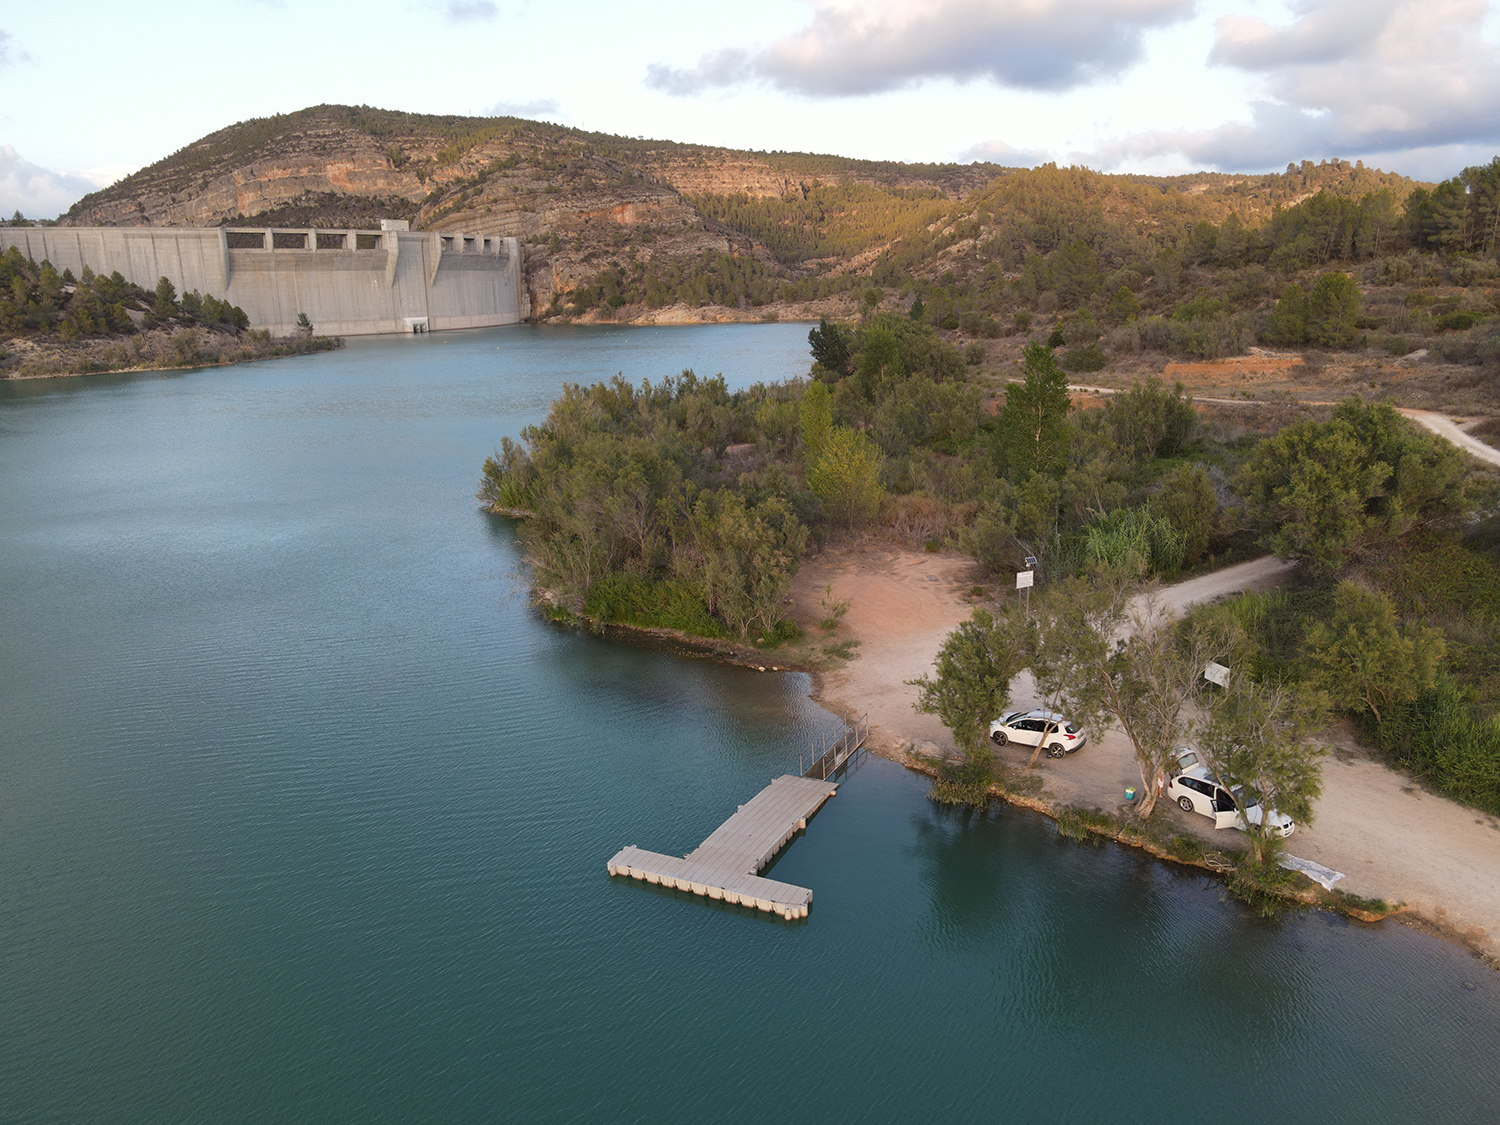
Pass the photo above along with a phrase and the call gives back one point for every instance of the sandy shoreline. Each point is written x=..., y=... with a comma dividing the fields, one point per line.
x=1390, y=838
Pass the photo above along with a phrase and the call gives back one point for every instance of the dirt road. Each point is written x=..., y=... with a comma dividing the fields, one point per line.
x=1391, y=839
x=1444, y=426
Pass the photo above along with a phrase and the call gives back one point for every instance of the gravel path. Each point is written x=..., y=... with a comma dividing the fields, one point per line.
x=1444, y=426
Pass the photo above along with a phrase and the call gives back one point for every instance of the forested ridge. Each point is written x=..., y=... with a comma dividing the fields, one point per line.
x=617, y=227
x=1115, y=266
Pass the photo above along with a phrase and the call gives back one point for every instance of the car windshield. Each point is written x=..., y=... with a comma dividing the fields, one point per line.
x=1071, y=728
x=1246, y=798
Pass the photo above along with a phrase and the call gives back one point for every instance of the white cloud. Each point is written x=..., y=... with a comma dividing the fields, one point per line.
x=10, y=54
x=1006, y=155
x=728, y=67
x=470, y=11
x=1349, y=78
x=1326, y=30
x=536, y=107
x=1430, y=162
x=42, y=193
x=858, y=47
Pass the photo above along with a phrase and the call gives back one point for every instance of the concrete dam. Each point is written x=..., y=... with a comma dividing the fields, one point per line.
x=347, y=282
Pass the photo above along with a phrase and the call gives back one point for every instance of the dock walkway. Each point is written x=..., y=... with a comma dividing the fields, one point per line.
x=726, y=865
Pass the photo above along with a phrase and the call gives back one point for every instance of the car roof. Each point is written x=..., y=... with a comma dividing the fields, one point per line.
x=1038, y=713
x=1202, y=773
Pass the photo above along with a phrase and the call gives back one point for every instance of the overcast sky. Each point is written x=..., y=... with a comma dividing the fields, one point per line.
x=90, y=91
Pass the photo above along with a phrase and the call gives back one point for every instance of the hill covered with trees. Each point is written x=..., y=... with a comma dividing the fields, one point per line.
x=1121, y=272
x=616, y=227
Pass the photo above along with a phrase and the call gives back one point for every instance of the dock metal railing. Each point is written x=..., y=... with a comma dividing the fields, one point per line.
x=830, y=757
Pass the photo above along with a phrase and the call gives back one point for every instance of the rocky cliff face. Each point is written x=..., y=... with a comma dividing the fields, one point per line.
x=577, y=206
x=570, y=240
x=215, y=181
x=254, y=189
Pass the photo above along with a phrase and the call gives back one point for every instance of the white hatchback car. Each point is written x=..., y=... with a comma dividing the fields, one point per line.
x=1033, y=728
x=1195, y=790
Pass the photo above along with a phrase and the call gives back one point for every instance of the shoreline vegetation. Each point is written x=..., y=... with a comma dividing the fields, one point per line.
x=55, y=324
x=1266, y=892
x=159, y=353
x=683, y=510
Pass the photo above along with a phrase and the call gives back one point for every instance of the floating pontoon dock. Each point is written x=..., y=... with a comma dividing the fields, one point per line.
x=726, y=865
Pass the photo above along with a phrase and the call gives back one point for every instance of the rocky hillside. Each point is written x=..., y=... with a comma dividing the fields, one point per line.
x=614, y=220
x=580, y=201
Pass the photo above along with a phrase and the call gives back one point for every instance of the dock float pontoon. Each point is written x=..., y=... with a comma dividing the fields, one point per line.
x=726, y=866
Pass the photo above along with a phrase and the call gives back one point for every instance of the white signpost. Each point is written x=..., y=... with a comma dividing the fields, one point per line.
x=1024, y=581
x=1216, y=673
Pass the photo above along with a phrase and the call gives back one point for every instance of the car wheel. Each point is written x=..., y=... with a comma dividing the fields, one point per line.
x=1185, y=803
x=999, y=737
x=1056, y=750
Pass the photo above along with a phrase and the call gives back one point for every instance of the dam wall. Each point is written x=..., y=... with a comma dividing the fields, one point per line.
x=347, y=282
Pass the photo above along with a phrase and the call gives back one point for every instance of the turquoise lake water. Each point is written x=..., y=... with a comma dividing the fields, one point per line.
x=304, y=817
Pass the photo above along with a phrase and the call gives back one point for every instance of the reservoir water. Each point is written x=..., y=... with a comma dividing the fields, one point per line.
x=304, y=817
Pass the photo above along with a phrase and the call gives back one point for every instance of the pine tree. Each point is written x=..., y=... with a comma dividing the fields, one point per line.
x=1033, y=423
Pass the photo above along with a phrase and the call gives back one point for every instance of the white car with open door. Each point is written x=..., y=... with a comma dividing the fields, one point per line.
x=1195, y=790
x=1037, y=728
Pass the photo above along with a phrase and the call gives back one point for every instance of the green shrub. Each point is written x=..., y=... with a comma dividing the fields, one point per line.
x=1202, y=308
x=1480, y=347
x=964, y=783
x=1262, y=884
x=1151, y=420
x=1089, y=825
x=1435, y=574
x=1136, y=537
x=1085, y=357
x=783, y=632
x=976, y=323
x=623, y=598
x=1187, y=501
x=1187, y=847
x=1443, y=742
x=1359, y=902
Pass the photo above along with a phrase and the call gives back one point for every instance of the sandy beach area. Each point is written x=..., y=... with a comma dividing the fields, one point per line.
x=1391, y=838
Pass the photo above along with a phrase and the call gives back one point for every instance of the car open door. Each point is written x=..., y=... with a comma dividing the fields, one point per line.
x=1226, y=812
